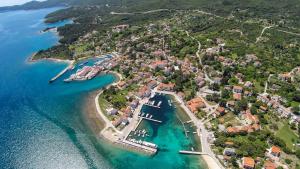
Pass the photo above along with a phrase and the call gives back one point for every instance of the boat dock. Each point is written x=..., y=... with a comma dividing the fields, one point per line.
x=189, y=121
x=61, y=73
x=192, y=152
x=145, y=147
x=158, y=121
x=151, y=104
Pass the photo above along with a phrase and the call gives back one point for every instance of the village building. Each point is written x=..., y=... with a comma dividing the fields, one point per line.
x=285, y=76
x=269, y=165
x=122, y=84
x=158, y=64
x=248, y=163
x=237, y=89
x=117, y=122
x=166, y=87
x=134, y=104
x=144, y=92
x=229, y=152
x=119, y=28
x=220, y=111
x=152, y=84
x=112, y=111
x=195, y=104
x=275, y=151
x=249, y=118
x=237, y=96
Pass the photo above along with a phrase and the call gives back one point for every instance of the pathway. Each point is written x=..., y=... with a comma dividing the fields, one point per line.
x=262, y=32
x=135, y=13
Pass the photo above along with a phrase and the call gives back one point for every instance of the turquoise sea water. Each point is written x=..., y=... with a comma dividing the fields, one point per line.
x=41, y=124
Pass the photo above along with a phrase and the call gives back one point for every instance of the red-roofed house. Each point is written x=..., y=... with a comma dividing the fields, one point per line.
x=237, y=96
x=237, y=89
x=269, y=165
x=219, y=112
x=195, y=104
x=158, y=64
x=248, y=163
x=166, y=87
x=275, y=151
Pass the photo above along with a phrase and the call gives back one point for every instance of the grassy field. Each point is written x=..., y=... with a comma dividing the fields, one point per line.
x=287, y=135
x=103, y=106
x=229, y=118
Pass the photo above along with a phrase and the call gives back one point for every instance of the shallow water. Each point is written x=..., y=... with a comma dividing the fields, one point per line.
x=42, y=124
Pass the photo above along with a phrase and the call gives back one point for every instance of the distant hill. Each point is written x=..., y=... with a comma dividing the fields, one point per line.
x=269, y=6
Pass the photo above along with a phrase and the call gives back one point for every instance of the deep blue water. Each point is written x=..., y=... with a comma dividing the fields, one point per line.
x=42, y=124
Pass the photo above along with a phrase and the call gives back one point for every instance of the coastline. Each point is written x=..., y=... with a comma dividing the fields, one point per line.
x=31, y=59
x=99, y=124
x=209, y=162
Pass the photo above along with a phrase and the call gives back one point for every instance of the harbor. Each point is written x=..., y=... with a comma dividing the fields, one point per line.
x=85, y=69
x=157, y=114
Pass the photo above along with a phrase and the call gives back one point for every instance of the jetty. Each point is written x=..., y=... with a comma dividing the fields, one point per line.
x=158, y=121
x=61, y=73
x=192, y=152
x=147, y=146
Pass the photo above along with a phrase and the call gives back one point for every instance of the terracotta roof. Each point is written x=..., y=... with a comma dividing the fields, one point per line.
x=237, y=96
x=256, y=126
x=121, y=83
x=232, y=130
x=229, y=143
x=250, y=117
x=168, y=86
x=248, y=162
x=237, y=88
x=269, y=165
x=231, y=103
x=195, y=104
x=275, y=149
x=221, y=109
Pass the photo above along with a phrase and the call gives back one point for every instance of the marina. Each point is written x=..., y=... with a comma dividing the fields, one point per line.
x=86, y=73
x=152, y=124
x=152, y=104
x=86, y=69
